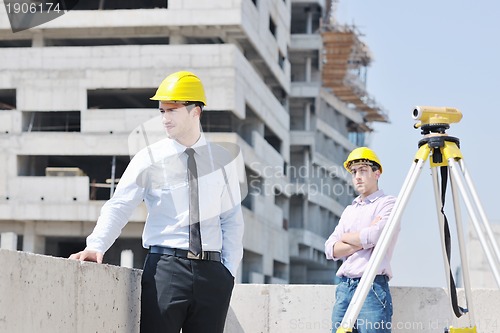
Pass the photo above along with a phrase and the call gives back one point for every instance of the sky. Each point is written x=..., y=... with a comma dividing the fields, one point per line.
x=438, y=53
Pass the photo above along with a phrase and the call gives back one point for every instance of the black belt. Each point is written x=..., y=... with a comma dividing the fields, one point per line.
x=378, y=278
x=204, y=255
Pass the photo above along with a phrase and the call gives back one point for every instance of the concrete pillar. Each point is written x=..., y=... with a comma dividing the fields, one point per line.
x=32, y=242
x=8, y=241
x=177, y=39
x=308, y=69
x=127, y=259
x=307, y=117
x=37, y=40
x=268, y=263
x=305, y=212
x=307, y=165
x=249, y=126
x=298, y=273
x=309, y=18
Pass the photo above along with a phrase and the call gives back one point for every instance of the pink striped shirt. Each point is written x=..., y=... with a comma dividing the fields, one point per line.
x=358, y=217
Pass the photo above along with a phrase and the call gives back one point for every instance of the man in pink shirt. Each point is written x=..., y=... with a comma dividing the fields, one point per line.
x=353, y=241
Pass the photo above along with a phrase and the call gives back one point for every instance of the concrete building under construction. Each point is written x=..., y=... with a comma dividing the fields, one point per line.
x=283, y=81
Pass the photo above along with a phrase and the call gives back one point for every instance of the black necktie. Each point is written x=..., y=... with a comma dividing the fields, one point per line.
x=194, y=209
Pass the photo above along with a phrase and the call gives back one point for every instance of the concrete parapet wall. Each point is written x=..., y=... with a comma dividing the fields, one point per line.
x=44, y=294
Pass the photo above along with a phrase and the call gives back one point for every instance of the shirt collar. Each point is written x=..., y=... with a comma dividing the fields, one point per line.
x=371, y=198
x=180, y=148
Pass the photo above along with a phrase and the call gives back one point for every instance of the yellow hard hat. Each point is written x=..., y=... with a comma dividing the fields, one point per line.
x=181, y=86
x=362, y=154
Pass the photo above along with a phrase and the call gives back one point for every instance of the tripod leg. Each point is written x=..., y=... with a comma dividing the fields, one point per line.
x=437, y=195
x=480, y=209
x=383, y=243
x=463, y=253
x=458, y=177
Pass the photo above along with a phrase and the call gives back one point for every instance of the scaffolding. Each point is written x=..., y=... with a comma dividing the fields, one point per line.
x=345, y=60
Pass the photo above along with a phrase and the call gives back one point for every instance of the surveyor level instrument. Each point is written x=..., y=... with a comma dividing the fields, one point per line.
x=446, y=155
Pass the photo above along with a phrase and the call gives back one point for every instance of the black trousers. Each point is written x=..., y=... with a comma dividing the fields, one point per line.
x=183, y=293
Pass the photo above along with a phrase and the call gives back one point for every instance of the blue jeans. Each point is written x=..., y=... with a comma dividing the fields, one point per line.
x=376, y=313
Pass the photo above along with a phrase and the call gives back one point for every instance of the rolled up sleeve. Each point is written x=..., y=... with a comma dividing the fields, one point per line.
x=335, y=237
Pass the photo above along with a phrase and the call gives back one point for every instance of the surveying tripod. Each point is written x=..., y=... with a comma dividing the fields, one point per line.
x=445, y=153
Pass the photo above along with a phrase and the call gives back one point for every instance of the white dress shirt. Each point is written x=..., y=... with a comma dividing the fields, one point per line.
x=158, y=175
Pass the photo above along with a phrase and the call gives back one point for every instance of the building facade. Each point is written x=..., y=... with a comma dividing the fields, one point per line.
x=283, y=81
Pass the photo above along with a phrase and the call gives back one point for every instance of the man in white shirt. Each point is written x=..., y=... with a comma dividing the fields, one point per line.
x=194, y=227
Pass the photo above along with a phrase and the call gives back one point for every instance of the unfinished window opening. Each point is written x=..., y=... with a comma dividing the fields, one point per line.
x=272, y=26
x=97, y=168
x=251, y=123
x=203, y=40
x=298, y=171
x=121, y=99
x=15, y=43
x=7, y=99
x=301, y=114
x=280, y=95
x=218, y=121
x=358, y=138
x=272, y=139
x=52, y=121
x=280, y=270
x=281, y=60
x=255, y=187
x=297, y=119
x=64, y=246
x=305, y=18
x=251, y=267
x=296, y=212
x=106, y=41
x=356, y=134
x=119, y=4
